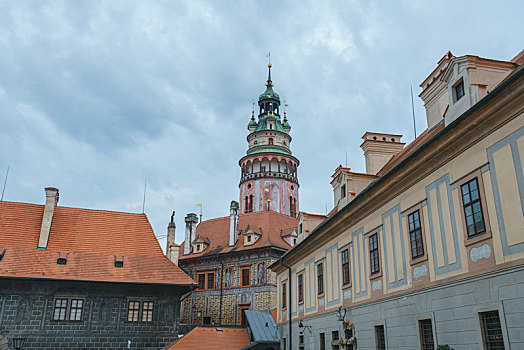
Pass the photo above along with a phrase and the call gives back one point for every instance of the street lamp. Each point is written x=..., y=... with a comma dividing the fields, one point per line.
x=18, y=342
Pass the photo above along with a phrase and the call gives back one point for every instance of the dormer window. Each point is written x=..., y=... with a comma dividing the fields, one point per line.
x=249, y=238
x=458, y=90
x=119, y=263
x=61, y=260
x=198, y=247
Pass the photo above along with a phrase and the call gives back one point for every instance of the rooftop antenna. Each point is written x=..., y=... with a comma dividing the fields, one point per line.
x=144, y=201
x=413, y=111
x=326, y=208
x=5, y=182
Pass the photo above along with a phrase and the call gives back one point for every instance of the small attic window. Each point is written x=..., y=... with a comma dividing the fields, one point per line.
x=119, y=263
x=61, y=260
x=249, y=238
x=458, y=90
x=2, y=255
x=198, y=247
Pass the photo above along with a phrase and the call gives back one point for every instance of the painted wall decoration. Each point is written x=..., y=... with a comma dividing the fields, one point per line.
x=261, y=273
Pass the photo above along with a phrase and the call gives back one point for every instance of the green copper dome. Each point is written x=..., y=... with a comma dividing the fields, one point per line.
x=269, y=93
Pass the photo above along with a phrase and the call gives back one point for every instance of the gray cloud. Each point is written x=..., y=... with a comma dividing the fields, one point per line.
x=97, y=96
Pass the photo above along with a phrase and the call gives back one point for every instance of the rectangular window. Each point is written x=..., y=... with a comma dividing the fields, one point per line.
x=373, y=254
x=322, y=341
x=147, y=311
x=68, y=309
x=133, y=311
x=77, y=307
x=210, y=280
x=301, y=345
x=491, y=330
x=380, y=337
x=284, y=345
x=472, y=208
x=300, y=285
x=415, y=234
x=140, y=311
x=284, y=295
x=245, y=276
x=459, y=91
x=320, y=278
x=426, y=335
x=334, y=340
x=345, y=266
x=201, y=281
x=59, y=313
x=207, y=320
x=343, y=191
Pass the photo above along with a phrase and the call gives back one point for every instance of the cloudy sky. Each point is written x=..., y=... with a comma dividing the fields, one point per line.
x=97, y=97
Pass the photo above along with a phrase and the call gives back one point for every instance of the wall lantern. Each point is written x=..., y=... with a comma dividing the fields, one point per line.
x=301, y=327
x=341, y=314
x=18, y=342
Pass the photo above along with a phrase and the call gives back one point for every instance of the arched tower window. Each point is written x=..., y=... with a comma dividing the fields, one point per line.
x=246, y=204
x=271, y=139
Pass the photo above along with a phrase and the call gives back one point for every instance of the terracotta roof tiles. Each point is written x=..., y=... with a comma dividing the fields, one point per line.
x=204, y=338
x=90, y=239
x=217, y=232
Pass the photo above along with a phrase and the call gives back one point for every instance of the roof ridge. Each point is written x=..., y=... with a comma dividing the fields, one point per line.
x=77, y=208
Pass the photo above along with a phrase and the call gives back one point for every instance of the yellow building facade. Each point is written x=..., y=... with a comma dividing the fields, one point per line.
x=432, y=250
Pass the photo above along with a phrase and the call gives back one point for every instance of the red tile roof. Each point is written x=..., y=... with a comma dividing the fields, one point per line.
x=92, y=238
x=217, y=232
x=210, y=339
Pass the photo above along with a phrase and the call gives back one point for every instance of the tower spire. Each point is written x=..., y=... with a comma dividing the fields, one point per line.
x=269, y=83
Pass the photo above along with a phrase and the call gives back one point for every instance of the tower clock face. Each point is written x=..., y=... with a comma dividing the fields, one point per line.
x=255, y=142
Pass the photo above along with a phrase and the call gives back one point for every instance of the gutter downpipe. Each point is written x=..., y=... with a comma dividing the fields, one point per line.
x=221, y=292
x=289, y=313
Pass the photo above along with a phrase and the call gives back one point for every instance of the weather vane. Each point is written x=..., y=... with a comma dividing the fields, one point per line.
x=269, y=57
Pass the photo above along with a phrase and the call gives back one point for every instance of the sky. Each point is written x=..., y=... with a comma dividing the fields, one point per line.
x=98, y=98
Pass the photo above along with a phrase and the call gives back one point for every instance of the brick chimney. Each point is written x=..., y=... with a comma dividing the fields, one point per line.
x=379, y=149
x=191, y=223
x=170, y=245
x=51, y=199
x=233, y=223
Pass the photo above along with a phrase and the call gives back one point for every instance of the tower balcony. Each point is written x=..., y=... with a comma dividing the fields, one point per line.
x=269, y=174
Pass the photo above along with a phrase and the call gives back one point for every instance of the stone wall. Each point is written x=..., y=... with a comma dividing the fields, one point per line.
x=26, y=309
x=453, y=309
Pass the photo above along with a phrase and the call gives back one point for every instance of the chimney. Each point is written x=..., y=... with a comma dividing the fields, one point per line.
x=191, y=223
x=51, y=199
x=233, y=223
x=379, y=149
x=173, y=253
x=170, y=237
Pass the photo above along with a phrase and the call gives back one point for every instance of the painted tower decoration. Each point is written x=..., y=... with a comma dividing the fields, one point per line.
x=269, y=170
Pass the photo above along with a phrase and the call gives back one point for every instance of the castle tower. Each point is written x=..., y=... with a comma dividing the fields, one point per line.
x=269, y=171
